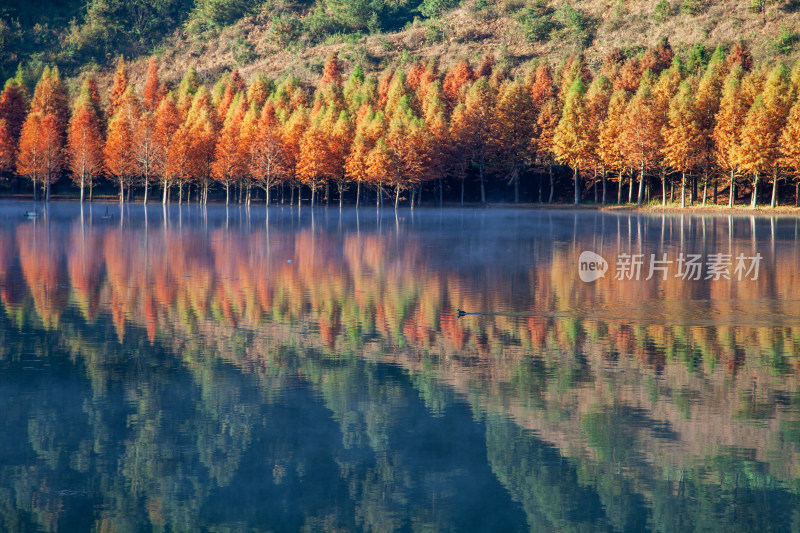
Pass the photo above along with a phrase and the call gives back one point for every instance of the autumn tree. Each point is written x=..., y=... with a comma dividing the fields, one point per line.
x=790, y=146
x=332, y=71
x=570, y=139
x=515, y=121
x=777, y=101
x=29, y=156
x=664, y=91
x=479, y=109
x=119, y=152
x=202, y=148
x=380, y=164
x=460, y=75
x=267, y=162
x=707, y=100
x=118, y=87
x=85, y=141
x=229, y=165
x=340, y=141
x=13, y=108
x=146, y=151
x=727, y=128
x=642, y=131
x=292, y=134
x=8, y=148
x=167, y=122
x=356, y=163
x=681, y=135
x=187, y=89
x=152, y=92
x=177, y=168
x=597, y=102
x=50, y=98
x=610, y=140
x=756, y=150
x=314, y=158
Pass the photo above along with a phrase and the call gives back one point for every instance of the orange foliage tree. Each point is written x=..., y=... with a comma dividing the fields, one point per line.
x=85, y=141
x=119, y=152
x=267, y=152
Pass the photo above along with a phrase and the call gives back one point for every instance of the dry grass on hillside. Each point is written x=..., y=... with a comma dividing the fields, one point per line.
x=467, y=33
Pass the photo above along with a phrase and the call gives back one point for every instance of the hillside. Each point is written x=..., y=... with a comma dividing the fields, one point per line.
x=279, y=36
x=454, y=101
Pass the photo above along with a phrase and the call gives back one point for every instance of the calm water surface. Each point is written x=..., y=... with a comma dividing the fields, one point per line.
x=191, y=371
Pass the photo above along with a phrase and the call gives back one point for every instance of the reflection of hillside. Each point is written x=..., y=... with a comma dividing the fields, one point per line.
x=630, y=381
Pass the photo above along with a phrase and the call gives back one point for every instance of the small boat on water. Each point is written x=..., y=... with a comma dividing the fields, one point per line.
x=31, y=214
x=107, y=215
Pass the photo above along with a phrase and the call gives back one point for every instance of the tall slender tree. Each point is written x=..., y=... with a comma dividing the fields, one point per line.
x=571, y=143
x=728, y=127
x=756, y=150
x=85, y=141
x=642, y=131
x=681, y=135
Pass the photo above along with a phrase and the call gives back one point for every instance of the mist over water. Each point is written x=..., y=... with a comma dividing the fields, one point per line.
x=189, y=369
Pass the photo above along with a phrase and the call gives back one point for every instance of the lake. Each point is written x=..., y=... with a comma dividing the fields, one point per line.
x=220, y=369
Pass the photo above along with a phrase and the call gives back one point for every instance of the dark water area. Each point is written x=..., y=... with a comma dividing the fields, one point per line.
x=220, y=369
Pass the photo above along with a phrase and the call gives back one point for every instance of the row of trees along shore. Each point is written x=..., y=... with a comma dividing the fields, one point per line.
x=657, y=124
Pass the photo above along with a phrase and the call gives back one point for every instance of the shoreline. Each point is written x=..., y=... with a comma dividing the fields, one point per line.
x=672, y=209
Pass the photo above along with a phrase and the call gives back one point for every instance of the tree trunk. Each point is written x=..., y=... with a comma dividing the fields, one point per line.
x=630, y=187
x=774, y=202
x=683, y=188
x=313, y=191
x=705, y=188
x=754, y=197
x=552, y=184
x=641, y=186
x=663, y=188
x=732, y=199
x=604, y=185
x=358, y=192
x=145, y=192
x=81, y=190
x=327, y=194
x=164, y=193
x=619, y=189
x=797, y=194
x=462, y=192
x=576, y=175
x=396, y=196
x=516, y=185
x=121, y=192
x=715, y=190
x=227, y=193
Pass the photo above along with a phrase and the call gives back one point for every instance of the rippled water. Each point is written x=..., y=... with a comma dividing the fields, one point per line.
x=225, y=370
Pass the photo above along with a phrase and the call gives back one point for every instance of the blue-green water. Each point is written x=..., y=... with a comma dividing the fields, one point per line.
x=225, y=370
